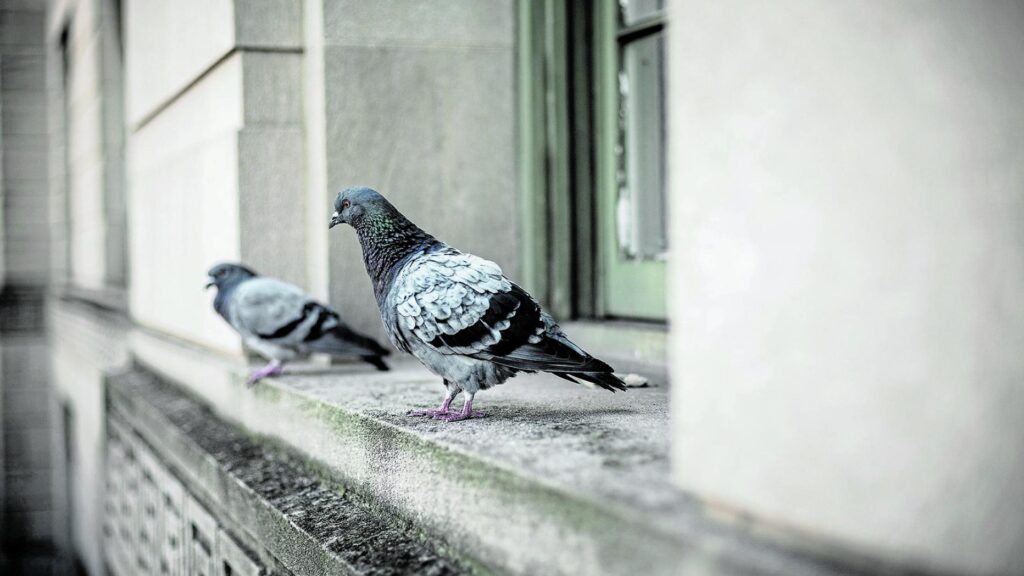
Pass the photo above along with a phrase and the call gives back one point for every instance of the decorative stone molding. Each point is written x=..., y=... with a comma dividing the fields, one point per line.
x=153, y=525
x=187, y=493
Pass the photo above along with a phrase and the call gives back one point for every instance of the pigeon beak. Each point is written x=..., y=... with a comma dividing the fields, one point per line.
x=335, y=220
x=209, y=282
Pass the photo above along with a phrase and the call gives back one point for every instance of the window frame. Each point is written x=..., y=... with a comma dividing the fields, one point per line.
x=111, y=292
x=633, y=289
x=569, y=55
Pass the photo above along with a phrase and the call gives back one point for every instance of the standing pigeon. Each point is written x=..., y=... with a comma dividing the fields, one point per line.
x=456, y=312
x=281, y=322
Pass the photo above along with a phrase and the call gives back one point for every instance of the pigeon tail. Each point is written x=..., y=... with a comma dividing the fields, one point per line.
x=371, y=345
x=342, y=341
x=605, y=380
x=377, y=362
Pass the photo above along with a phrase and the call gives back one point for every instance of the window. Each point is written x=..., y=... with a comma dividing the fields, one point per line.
x=631, y=158
x=94, y=166
x=115, y=208
x=592, y=156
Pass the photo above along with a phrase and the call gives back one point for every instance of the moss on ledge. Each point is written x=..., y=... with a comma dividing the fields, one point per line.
x=306, y=522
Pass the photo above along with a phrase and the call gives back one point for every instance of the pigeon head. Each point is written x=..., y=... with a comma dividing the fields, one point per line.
x=359, y=205
x=227, y=274
x=385, y=235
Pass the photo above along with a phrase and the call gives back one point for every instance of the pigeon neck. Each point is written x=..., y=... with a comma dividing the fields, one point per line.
x=220, y=303
x=386, y=243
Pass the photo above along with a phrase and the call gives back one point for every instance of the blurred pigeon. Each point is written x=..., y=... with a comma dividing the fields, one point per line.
x=456, y=312
x=281, y=322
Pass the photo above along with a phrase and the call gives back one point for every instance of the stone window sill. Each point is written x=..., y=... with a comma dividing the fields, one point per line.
x=557, y=478
x=108, y=299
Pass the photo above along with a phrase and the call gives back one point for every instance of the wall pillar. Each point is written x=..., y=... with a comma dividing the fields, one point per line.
x=848, y=262
x=216, y=162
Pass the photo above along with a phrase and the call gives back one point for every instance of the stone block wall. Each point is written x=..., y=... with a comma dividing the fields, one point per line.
x=85, y=342
x=31, y=521
x=216, y=154
x=419, y=102
x=30, y=518
x=23, y=145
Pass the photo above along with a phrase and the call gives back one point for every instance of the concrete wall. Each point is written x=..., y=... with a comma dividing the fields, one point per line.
x=30, y=519
x=239, y=141
x=216, y=154
x=23, y=144
x=85, y=344
x=848, y=236
x=418, y=101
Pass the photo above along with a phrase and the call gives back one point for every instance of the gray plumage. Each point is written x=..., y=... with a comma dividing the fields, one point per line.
x=457, y=313
x=281, y=322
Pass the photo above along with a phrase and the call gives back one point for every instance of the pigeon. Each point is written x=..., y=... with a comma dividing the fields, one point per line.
x=281, y=322
x=456, y=312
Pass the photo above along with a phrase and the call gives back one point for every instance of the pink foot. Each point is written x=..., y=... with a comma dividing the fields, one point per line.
x=442, y=410
x=466, y=413
x=272, y=369
x=456, y=416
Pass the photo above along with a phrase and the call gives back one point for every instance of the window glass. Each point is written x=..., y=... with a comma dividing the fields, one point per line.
x=636, y=10
x=633, y=238
x=641, y=213
x=593, y=155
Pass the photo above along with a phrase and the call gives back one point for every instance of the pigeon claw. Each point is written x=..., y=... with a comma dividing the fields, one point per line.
x=457, y=416
x=272, y=369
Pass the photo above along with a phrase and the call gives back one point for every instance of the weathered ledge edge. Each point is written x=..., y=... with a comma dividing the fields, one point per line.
x=521, y=524
x=273, y=502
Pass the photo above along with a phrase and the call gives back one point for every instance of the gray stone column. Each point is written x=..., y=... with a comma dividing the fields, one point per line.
x=847, y=271
x=215, y=154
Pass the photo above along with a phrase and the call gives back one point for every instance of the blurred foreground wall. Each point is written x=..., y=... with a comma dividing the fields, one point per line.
x=31, y=519
x=848, y=197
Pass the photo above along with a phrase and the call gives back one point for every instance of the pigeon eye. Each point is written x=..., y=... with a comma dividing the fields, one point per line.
x=345, y=204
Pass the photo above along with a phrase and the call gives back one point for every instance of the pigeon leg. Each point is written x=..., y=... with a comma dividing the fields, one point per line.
x=445, y=404
x=272, y=369
x=466, y=414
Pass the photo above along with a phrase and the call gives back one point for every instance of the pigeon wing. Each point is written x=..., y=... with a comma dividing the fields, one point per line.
x=442, y=294
x=270, y=309
x=461, y=304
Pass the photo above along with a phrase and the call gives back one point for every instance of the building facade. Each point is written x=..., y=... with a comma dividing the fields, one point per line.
x=801, y=226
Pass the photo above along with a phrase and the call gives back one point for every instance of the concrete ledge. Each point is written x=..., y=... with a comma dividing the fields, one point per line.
x=272, y=502
x=558, y=479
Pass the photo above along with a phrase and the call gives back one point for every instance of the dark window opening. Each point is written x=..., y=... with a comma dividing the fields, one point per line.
x=593, y=148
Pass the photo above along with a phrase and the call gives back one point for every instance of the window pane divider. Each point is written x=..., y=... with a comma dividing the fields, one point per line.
x=646, y=26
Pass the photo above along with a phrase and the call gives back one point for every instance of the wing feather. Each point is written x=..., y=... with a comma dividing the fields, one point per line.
x=271, y=309
x=460, y=304
x=282, y=314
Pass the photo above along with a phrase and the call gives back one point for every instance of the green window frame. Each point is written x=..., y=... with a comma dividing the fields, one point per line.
x=572, y=161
